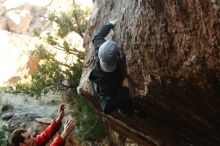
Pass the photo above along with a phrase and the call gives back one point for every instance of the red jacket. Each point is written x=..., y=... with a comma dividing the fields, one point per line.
x=43, y=138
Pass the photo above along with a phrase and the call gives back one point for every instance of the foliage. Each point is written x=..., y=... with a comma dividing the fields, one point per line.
x=4, y=135
x=51, y=73
x=74, y=20
x=48, y=76
x=89, y=125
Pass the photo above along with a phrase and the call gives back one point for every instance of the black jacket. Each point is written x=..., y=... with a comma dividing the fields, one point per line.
x=108, y=83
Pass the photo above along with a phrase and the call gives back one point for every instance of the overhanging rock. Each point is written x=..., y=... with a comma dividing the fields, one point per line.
x=172, y=51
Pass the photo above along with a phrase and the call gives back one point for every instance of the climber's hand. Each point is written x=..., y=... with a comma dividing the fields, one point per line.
x=78, y=89
x=60, y=113
x=125, y=82
x=113, y=21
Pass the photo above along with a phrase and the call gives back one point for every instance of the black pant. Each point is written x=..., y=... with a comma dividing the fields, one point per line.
x=119, y=100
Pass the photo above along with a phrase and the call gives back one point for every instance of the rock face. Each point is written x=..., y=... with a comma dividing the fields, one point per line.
x=172, y=57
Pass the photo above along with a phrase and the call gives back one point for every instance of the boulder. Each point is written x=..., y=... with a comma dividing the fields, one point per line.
x=43, y=120
x=3, y=23
x=16, y=5
x=18, y=20
x=2, y=9
x=33, y=63
x=16, y=54
x=13, y=80
x=21, y=120
x=2, y=1
x=172, y=60
x=7, y=116
x=6, y=107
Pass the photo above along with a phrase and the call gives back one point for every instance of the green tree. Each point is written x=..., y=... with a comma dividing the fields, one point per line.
x=74, y=20
x=4, y=135
x=51, y=73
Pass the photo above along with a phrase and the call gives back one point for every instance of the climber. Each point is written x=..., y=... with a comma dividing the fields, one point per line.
x=107, y=78
x=22, y=137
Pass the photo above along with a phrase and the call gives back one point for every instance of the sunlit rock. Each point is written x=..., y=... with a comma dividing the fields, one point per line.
x=2, y=9
x=13, y=80
x=3, y=23
x=2, y=1
x=33, y=63
x=16, y=5
x=18, y=21
x=15, y=55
